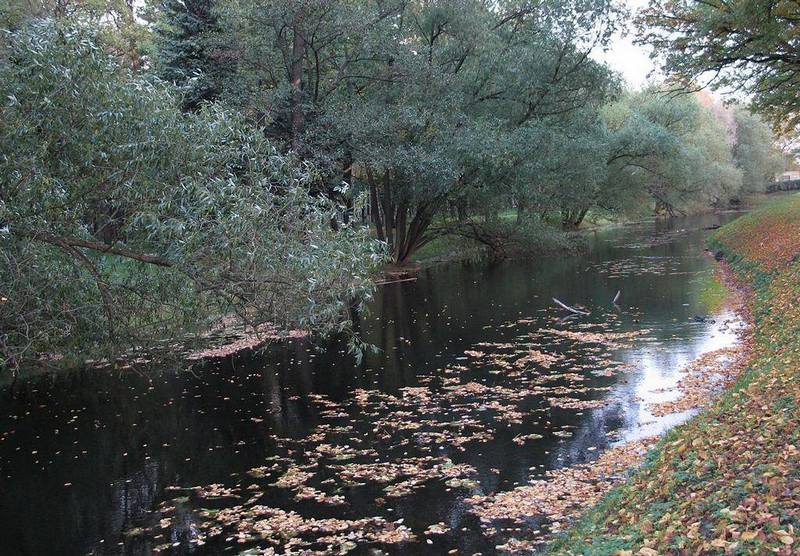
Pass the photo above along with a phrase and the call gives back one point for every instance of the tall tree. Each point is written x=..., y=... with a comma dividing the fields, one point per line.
x=189, y=56
x=750, y=45
x=451, y=83
x=755, y=152
x=671, y=150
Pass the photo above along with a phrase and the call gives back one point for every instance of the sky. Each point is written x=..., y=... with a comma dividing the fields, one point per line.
x=632, y=61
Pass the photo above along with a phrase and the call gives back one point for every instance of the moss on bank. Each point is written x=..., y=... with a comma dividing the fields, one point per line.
x=712, y=292
x=728, y=481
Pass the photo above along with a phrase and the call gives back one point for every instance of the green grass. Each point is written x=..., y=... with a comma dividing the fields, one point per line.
x=446, y=248
x=712, y=293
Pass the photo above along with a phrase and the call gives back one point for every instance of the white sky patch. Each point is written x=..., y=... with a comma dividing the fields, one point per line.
x=629, y=59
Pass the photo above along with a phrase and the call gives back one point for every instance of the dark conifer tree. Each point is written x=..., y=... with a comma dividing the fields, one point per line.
x=187, y=51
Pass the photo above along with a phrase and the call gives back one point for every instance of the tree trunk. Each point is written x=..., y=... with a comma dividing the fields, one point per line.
x=566, y=219
x=391, y=218
x=415, y=237
x=400, y=231
x=572, y=219
x=388, y=210
x=579, y=218
x=374, y=206
x=347, y=177
x=296, y=82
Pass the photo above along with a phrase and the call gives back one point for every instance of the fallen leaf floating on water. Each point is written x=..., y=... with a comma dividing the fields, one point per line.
x=712, y=372
x=392, y=444
x=564, y=492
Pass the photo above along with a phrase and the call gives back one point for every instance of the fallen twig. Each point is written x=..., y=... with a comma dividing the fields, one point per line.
x=570, y=309
x=396, y=281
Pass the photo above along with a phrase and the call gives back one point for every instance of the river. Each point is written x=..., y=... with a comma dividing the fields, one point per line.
x=480, y=385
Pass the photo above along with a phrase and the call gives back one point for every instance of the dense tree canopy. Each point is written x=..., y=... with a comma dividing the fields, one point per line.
x=115, y=23
x=743, y=44
x=255, y=158
x=124, y=220
x=755, y=152
x=424, y=104
x=187, y=55
x=680, y=153
x=670, y=149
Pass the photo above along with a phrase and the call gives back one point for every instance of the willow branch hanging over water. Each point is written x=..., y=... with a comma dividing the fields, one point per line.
x=124, y=221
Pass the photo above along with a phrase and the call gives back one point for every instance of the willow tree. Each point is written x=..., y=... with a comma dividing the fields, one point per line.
x=118, y=23
x=124, y=221
x=668, y=152
x=755, y=151
x=414, y=102
x=450, y=85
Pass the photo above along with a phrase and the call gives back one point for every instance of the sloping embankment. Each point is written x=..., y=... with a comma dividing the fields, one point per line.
x=727, y=482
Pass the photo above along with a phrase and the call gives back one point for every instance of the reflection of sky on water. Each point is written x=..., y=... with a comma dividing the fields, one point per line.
x=654, y=375
x=659, y=369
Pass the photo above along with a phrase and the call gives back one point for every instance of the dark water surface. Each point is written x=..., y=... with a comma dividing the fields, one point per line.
x=104, y=463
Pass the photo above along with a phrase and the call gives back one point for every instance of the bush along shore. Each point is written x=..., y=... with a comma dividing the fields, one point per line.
x=728, y=481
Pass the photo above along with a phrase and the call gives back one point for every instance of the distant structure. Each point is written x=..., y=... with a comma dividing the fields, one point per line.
x=788, y=180
x=791, y=171
x=788, y=175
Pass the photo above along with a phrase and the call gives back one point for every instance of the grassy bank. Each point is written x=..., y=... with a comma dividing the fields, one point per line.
x=542, y=238
x=727, y=482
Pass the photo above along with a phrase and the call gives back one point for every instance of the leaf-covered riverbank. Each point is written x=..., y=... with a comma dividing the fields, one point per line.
x=726, y=482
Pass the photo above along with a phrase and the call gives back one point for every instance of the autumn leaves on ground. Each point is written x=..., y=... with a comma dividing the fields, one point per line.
x=728, y=482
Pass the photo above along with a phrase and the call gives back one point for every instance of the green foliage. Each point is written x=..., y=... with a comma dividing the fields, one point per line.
x=671, y=149
x=124, y=221
x=428, y=106
x=187, y=56
x=755, y=153
x=118, y=27
x=440, y=109
x=422, y=118
x=748, y=45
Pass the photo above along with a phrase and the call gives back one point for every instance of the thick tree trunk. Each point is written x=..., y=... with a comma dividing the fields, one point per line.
x=581, y=215
x=663, y=206
x=390, y=216
x=572, y=219
x=415, y=236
